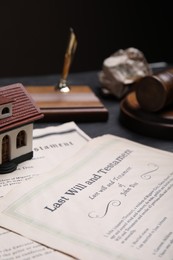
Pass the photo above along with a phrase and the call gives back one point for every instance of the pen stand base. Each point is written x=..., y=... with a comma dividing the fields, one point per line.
x=159, y=124
x=80, y=104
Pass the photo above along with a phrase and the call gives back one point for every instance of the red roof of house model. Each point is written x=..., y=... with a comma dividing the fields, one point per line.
x=5, y=100
x=24, y=109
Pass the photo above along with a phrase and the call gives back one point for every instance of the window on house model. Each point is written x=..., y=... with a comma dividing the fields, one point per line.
x=21, y=139
x=5, y=149
x=5, y=110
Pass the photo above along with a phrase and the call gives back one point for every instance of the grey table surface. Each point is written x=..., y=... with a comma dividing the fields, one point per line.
x=93, y=129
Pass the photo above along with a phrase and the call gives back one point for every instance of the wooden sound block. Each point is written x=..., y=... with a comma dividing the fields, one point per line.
x=80, y=104
x=155, y=124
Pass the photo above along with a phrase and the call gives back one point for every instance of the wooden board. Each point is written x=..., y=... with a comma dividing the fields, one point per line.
x=80, y=104
x=155, y=124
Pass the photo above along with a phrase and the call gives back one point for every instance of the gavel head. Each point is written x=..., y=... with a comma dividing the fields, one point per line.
x=155, y=92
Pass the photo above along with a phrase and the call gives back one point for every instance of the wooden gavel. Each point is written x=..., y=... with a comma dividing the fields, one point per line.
x=155, y=92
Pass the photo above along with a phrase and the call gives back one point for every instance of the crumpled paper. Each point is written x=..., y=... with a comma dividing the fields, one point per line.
x=122, y=69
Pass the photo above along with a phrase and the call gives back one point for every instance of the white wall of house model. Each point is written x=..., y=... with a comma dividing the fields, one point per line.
x=15, y=149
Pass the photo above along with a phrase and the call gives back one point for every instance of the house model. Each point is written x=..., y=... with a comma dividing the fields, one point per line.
x=17, y=114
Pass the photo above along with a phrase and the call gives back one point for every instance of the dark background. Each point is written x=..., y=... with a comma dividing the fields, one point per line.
x=34, y=34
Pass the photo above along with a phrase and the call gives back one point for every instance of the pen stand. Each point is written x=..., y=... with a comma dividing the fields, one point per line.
x=80, y=104
x=68, y=103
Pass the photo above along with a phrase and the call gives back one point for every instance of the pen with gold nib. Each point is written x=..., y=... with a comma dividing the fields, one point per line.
x=63, y=86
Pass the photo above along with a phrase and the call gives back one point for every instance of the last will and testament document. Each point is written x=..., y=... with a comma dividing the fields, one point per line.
x=111, y=200
x=51, y=145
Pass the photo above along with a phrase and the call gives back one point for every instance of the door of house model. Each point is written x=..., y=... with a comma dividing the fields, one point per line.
x=5, y=149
